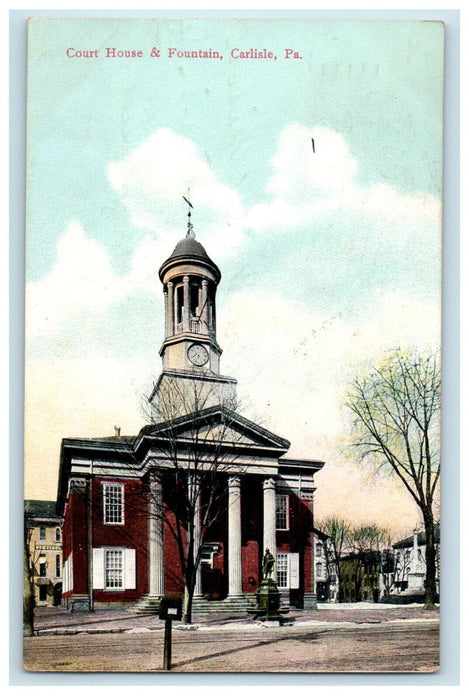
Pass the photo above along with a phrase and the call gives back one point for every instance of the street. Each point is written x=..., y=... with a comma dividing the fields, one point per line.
x=391, y=646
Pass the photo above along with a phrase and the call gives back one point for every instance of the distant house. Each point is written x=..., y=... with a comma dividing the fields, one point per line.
x=360, y=577
x=44, y=543
x=327, y=586
x=410, y=565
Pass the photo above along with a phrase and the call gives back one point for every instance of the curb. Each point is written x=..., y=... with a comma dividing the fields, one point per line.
x=317, y=625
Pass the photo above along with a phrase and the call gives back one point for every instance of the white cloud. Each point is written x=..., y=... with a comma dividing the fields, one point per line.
x=300, y=171
x=151, y=180
x=81, y=279
x=307, y=185
x=295, y=365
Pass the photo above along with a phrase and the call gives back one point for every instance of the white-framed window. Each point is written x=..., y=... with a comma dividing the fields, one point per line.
x=281, y=512
x=319, y=549
x=282, y=570
x=113, y=568
x=113, y=504
x=319, y=570
x=288, y=570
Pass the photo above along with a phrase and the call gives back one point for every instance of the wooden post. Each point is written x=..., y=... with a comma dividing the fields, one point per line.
x=167, y=645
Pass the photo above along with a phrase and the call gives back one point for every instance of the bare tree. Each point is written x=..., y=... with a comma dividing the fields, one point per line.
x=396, y=424
x=29, y=566
x=337, y=530
x=401, y=568
x=197, y=452
x=365, y=544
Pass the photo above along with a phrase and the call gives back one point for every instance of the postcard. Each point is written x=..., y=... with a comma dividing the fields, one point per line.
x=232, y=378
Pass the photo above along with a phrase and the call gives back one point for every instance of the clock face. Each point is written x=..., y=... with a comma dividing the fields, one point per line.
x=198, y=355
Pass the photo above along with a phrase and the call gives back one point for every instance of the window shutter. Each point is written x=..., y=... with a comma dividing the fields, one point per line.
x=68, y=574
x=129, y=568
x=98, y=569
x=294, y=570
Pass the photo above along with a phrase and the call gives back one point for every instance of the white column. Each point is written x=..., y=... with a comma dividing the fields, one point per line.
x=166, y=315
x=235, y=587
x=198, y=573
x=187, y=303
x=270, y=542
x=204, y=314
x=155, y=537
x=170, y=312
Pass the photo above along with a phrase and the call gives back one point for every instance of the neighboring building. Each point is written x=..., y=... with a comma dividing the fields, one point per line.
x=410, y=565
x=44, y=543
x=116, y=549
x=327, y=585
x=360, y=577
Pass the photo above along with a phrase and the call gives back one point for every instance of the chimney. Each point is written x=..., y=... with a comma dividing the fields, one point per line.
x=416, y=541
x=117, y=431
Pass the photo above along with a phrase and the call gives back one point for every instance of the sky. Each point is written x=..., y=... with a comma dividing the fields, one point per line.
x=329, y=258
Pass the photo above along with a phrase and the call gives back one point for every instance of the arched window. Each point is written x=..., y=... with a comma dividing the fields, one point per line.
x=57, y=534
x=42, y=532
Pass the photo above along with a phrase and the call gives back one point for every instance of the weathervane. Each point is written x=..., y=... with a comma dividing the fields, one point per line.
x=190, y=229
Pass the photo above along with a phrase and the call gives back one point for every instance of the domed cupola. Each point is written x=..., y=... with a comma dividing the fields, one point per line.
x=189, y=249
x=190, y=352
x=190, y=280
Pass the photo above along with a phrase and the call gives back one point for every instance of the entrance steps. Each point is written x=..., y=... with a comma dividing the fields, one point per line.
x=147, y=605
x=236, y=604
x=150, y=605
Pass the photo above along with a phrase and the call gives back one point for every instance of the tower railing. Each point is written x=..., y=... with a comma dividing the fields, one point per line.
x=196, y=326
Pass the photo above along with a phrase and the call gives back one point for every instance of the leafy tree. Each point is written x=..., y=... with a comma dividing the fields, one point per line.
x=396, y=409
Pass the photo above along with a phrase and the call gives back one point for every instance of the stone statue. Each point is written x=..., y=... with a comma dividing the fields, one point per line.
x=268, y=564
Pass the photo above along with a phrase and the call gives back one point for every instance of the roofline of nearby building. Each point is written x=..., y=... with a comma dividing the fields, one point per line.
x=421, y=539
x=320, y=534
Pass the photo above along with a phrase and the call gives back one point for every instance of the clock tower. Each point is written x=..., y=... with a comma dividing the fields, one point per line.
x=190, y=352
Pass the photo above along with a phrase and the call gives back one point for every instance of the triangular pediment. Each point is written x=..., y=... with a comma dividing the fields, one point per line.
x=216, y=425
x=219, y=433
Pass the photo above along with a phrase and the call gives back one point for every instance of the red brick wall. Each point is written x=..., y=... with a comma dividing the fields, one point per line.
x=308, y=544
x=133, y=534
x=74, y=541
x=251, y=532
x=172, y=561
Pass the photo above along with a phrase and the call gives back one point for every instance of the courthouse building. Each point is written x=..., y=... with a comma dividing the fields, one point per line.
x=112, y=490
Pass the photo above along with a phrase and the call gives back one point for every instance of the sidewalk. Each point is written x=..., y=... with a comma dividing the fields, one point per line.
x=58, y=621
